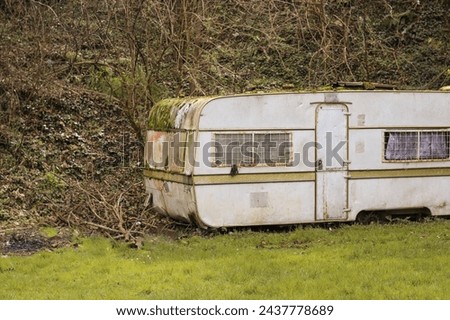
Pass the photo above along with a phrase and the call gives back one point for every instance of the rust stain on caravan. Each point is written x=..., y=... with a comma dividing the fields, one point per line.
x=156, y=136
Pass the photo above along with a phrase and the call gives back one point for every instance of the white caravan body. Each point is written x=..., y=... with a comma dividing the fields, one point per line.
x=329, y=156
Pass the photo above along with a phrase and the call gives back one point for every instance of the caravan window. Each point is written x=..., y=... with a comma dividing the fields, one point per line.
x=434, y=145
x=249, y=149
x=231, y=148
x=273, y=148
x=416, y=145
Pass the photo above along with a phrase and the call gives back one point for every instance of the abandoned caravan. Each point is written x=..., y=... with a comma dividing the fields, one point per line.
x=289, y=158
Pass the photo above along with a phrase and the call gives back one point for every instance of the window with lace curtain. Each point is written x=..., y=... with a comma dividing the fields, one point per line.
x=416, y=145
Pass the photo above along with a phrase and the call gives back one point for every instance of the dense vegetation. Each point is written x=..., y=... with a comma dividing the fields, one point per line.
x=78, y=78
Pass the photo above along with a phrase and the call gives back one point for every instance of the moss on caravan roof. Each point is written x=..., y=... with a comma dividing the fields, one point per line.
x=169, y=114
x=161, y=114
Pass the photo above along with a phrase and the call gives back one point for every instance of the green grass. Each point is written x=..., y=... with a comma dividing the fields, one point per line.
x=398, y=261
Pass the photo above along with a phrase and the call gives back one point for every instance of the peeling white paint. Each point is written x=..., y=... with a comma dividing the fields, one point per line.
x=181, y=114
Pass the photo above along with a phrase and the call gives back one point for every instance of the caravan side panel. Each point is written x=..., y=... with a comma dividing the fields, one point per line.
x=259, y=194
x=256, y=204
x=377, y=184
x=375, y=194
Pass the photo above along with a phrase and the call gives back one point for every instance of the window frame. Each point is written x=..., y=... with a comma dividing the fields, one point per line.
x=419, y=132
x=288, y=163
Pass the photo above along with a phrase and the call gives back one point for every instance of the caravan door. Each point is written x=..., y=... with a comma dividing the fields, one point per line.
x=331, y=161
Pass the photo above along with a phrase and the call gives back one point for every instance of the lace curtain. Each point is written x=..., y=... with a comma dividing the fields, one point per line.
x=406, y=145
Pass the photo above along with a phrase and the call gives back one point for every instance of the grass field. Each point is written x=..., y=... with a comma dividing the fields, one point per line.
x=395, y=261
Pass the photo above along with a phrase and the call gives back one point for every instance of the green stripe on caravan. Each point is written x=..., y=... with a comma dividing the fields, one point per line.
x=291, y=176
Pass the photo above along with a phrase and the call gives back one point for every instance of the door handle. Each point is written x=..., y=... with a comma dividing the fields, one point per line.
x=319, y=164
